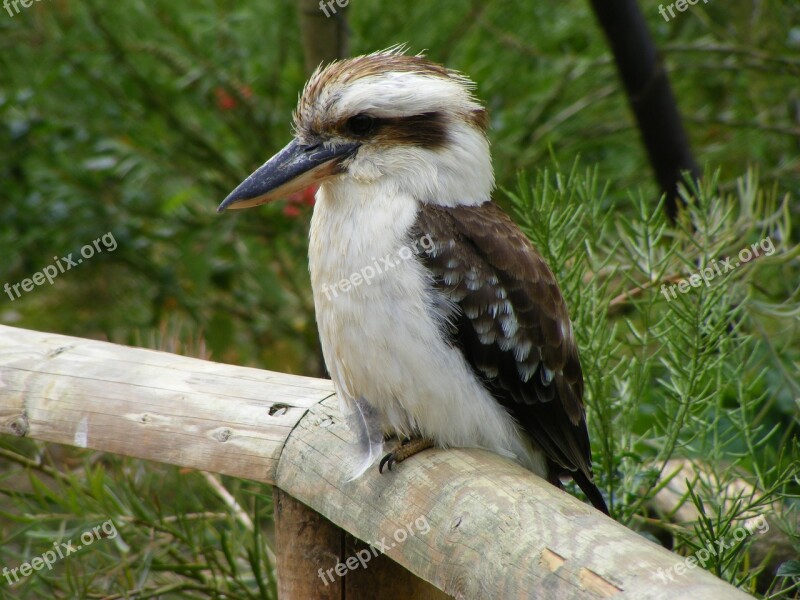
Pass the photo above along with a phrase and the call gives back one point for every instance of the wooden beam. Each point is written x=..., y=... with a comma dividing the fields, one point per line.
x=470, y=522
x=149, y=404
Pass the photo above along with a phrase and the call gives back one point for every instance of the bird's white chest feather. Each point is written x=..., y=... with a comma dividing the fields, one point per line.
x=379, y=330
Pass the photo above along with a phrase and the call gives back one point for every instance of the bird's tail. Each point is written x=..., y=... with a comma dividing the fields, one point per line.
x=590, y=489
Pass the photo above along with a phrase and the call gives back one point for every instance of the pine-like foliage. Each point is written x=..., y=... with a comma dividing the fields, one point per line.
x=689, y=345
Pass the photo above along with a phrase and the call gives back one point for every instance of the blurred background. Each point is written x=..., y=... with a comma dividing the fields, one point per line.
x=137, y=118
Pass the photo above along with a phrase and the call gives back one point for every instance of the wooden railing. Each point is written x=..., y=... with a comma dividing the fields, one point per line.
x=460, y=523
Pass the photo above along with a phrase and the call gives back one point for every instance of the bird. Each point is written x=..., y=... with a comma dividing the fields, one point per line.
x=440, y=322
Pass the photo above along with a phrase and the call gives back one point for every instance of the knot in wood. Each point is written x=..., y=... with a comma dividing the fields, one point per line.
x=20, y=426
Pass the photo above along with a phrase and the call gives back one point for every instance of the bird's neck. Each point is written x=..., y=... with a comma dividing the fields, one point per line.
x=355, y=225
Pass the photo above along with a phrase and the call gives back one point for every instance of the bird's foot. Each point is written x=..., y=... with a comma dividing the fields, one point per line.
x=409, y=447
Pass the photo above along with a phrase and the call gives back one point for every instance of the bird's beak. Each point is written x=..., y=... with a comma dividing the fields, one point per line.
x=294, y=168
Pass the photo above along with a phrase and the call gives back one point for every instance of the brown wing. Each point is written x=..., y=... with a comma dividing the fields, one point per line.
x=513, y=326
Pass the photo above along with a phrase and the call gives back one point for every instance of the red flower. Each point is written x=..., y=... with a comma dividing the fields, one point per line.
x=227, y=101
x=296, y=201
x=291, y=211
x=224, y=100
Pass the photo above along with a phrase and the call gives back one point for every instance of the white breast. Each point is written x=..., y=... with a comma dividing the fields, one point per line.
x=380, y=337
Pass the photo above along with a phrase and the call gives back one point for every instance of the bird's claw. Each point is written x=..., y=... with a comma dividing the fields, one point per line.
x=387, y=461
x=408, y=447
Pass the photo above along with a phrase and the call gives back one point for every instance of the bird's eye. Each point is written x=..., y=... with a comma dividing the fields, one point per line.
x=360, y=125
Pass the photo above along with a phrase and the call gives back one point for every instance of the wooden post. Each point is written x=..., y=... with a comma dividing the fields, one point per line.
x=307, y=544
x=384, y=578
x=309, y=548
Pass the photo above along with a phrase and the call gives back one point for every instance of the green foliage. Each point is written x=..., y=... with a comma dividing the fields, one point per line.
x=164, y=544
x=138, y=118
x=692, y=375
x=138, y=121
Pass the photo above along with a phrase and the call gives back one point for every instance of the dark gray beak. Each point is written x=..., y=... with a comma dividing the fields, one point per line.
x=294, y=168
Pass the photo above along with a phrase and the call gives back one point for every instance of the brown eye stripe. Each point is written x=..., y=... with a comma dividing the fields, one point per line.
x=428, y=130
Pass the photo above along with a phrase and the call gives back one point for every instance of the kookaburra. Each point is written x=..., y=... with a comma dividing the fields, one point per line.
x=460, y=337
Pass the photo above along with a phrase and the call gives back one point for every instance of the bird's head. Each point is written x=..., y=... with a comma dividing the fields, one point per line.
x=387, y=118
